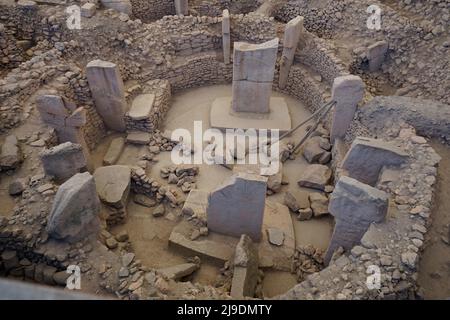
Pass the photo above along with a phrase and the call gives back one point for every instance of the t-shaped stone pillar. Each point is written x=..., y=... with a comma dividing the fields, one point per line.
x=253, y=71
x=347, y=91
x=65, y=118
x=292, y=33
x=108, y=92
x=355, y=206
x=181, y=7
x=226, y=36
x=237, y=207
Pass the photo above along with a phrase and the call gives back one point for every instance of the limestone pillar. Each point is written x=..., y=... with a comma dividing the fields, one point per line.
x=376, y=54
x=253, y=71
x=65, y=118
x=107, y=90
x=292, y=33
x=226, y=41
x=181, y=7
x=355, y=206
x=237, y=207
x=347, y=91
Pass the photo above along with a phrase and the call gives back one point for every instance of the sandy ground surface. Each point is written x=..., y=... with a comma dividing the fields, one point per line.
x=434, y=269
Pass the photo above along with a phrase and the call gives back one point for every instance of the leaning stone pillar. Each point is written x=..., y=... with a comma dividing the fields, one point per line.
x=107, y=90
x=226, y=36
x=292, y=33
x=181, y=7
x=253, y=71
x=347, y=91
x=65, y=118
x=355, y=206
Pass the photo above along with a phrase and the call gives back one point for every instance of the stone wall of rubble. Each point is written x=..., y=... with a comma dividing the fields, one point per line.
x=20, y=29
x=213, y=8
x=393, y=247
x=321, y=20
x=162, y=91
x=316, y=53
x=150, y=10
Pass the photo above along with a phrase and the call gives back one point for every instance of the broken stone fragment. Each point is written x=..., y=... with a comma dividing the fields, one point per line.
x=138, y=137
x=291, y=202
x=17, y=186
x=75, y=210
x=10, y=155
x=245, y=272
x=275, y=236
x=179, y=271
x=159, y=211
x=144, y=200
x=63, y=160
x=305, y=214
x=315, y=176
x=319, y=204
x=366, y=158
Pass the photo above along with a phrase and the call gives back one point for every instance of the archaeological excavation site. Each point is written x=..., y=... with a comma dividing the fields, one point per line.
x=225, y=149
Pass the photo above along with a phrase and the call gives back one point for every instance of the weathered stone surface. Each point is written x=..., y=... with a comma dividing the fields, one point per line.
x=63, y=160
x=143, y=200
x=292, y=33
x=179, y=271
x=17, y=186
x=245, y=273
x=313, y=151
x=315, y=176
x=159, y=211
x=10, y=155
x=347, y=91
x=64, y=116
x=237, y=207
x=107, y=89
x=75, y=210
x=114, y=151
x=253, y=72
x=319, y=203
x=207, y=249
x=355, y=206
x=141, y=106
x=291, y=202
x=305, y=214
x=376, y=54
x=275, y=236
x=366, y=158
x=118, y=5
x=113, y=184
x=10, y=259
x=138, y=137
x=88, y=10
x=181, y=7
x=226, y=38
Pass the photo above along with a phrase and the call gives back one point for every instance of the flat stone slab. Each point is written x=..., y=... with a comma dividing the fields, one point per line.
x=114, y=151
x=138, y=137
x=215, y=248
x=141, y=106
x=113, y=184
x=219, y=248
x=222, y=117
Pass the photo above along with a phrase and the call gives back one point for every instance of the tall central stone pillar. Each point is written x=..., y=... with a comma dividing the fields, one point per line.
x=253, y=71
x=108, y=92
